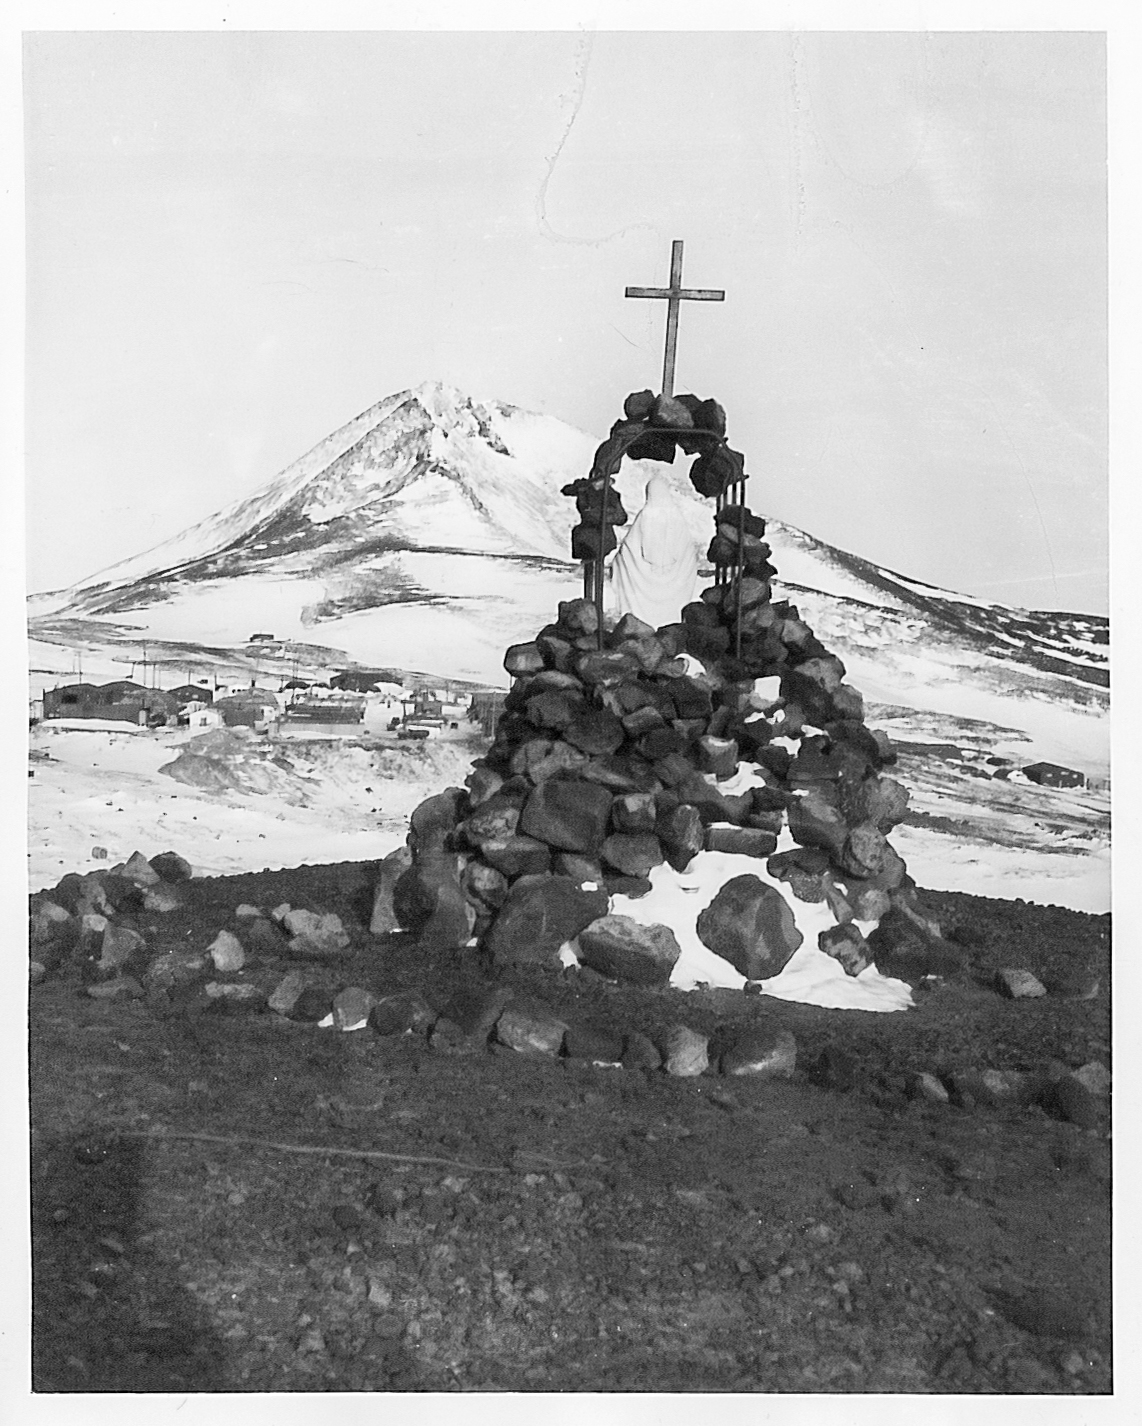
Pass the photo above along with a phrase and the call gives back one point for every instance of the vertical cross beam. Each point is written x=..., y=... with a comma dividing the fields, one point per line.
x=674, y=295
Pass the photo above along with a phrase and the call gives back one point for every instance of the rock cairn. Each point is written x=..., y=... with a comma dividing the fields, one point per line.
x=623, y=746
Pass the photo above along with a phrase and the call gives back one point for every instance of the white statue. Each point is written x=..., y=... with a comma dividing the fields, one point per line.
x=655, y=571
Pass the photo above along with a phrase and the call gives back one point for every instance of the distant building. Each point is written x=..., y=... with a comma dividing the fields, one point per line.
x=486, y=709
x=248, y=709
x=1052, y=775
x=327, y=709
x=356, y=680
x=121, y=701
x=190, y=693
x=202, y=717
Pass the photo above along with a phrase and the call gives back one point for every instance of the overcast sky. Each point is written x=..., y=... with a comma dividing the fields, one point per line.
x=236, y=242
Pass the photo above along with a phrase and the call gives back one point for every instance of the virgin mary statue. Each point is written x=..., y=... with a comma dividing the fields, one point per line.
x=655, y=571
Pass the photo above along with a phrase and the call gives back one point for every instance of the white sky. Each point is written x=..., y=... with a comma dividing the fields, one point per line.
x=237, y=241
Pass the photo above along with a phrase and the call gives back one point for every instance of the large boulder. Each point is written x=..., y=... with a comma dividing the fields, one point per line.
x=905, y=949
x=632, y=853
x=751, y=925
x=436, y=818
x=625, y=949
x=428, y=900
x=570, y=816
x=384, y=917
x=538, y=916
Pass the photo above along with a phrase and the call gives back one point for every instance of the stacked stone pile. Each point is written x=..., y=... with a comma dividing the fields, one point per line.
x=622, y=748
x=645, y=746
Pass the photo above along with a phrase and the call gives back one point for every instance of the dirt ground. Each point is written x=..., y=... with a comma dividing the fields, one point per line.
x=213, y=1208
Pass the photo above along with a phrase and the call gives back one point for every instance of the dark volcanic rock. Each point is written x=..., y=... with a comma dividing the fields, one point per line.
x=538, y=917
x=171, y=867
x=624, y=949
x=406, y=1010
x=741, y=841
x=593, y=1042
x=632, y=853
x=571, y=816
x=847, y=945
x=428, y=900
x=596, y=731
x=384, y=917
x=750, y=925
x=762, y=1050
x=903, y=950
x=517, y=856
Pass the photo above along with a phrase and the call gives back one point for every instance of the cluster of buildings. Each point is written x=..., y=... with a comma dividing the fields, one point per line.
x=342, y=702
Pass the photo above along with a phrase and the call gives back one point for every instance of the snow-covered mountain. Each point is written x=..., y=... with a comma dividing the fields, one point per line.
x=429, y=532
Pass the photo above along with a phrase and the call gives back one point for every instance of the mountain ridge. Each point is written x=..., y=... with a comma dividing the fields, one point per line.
x=429, y=532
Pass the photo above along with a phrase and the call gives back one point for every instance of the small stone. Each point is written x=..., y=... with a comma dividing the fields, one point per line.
x=122, y=987
x=848, y=946
x=139, y=870
x=264, y=937
x=244, y=909
x=1070, y=1099
x=1019, y=984
x=171, y=867
x=741, y=841
x=594, y=1043
x=835, y=1069
x=99, y=854
x=351, y=1008
x=286, y=993
x=36, y=972
x=316, y=937
x=175, y=968
x=1002, y=1087
x=236, y=995
x=91, y=928
x=687, y=1052
x=447, y=1038
x=640, y=1052
x=926, y=1086
x=49, y=914
x=1093, y=1076
x=120, y=946
x=475, y=1008
x=522, y=659
x=162, y=899
x=530, y=1032
x=406, y=1011
x=226, y=952
x=759, y=1050
x=313, y=1004
x=379, y=1294
x=1044, y=1311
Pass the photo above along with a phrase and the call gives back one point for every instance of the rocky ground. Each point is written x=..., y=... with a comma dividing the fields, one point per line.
x=230, y=1198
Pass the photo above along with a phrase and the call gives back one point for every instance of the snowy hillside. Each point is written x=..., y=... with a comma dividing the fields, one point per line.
x=429, y=532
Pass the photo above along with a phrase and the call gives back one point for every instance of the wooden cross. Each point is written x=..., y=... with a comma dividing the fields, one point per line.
x=674, y=294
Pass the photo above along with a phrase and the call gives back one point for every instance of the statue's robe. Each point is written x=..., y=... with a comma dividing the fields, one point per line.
x=655, y=571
